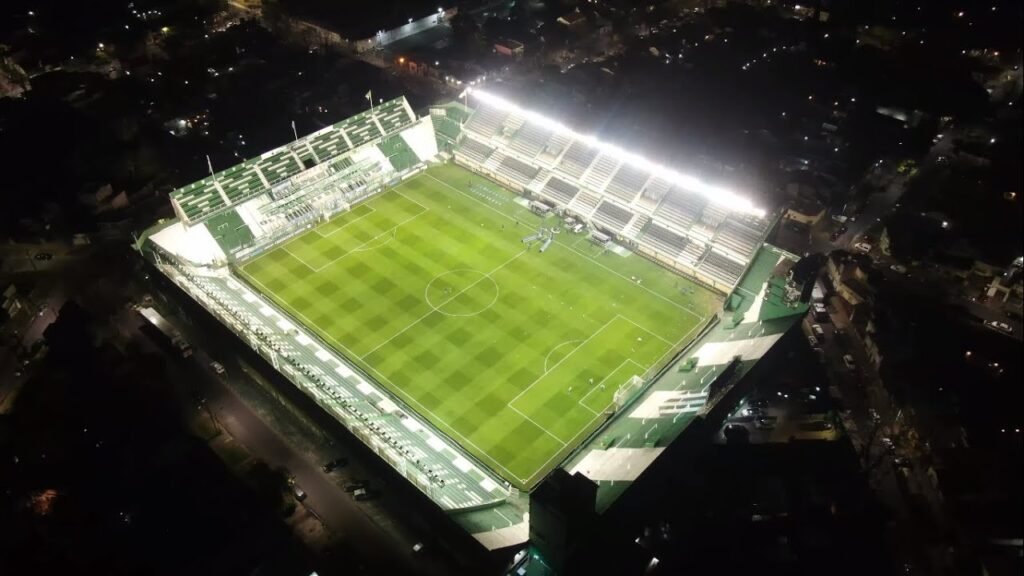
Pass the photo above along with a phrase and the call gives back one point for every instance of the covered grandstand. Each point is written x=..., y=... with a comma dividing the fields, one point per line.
x=707, y=233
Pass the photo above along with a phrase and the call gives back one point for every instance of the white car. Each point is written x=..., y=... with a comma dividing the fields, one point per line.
x=1000, y=326
x=849, y=362
x=898, y=268
x=862, y=247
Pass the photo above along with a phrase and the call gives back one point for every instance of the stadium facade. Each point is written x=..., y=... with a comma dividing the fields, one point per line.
x=709, y=235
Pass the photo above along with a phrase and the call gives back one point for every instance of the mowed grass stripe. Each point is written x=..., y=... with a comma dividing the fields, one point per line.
x=452, y=316
x=388, y=212
x=554, y=400
x=342, y=220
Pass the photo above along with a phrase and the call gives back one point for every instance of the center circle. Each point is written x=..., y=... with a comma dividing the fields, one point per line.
x=447, y=292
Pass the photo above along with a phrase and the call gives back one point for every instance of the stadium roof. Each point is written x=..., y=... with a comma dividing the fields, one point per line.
x=725, y=197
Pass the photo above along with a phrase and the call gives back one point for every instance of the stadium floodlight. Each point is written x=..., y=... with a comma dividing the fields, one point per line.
x=716, y=194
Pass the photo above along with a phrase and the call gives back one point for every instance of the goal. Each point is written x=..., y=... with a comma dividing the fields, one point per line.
x=627, y=390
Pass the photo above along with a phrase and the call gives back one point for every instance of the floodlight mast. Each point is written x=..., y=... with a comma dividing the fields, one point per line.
x=715, y=194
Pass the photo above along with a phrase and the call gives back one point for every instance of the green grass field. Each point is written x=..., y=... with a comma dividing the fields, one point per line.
x=513, y=353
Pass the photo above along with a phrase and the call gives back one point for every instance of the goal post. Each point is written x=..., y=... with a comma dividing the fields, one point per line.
x=627, y=390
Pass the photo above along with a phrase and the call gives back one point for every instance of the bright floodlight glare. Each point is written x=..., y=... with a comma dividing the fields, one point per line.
x=715, y=194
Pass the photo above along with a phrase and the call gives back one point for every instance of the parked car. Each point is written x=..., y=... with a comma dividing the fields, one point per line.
x=849, y=362
x=819, y=333
x=356, y=485
x=333, y=464
x=298, y=492
x=217, y=367
x=735, y=431
x=898, y=268
x=889, y=445
x=862, y=247
x=999, y=326
x=812, y=341
x=364, y=494
x=820, y=354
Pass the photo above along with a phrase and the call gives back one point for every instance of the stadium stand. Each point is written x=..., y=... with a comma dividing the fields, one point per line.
x=486, y=121
x=339, y=165
x=280, y=164
x=510, y=126
x=517, y=170
x=600, y=172
x=530, y=140
x=721, y=268
x=576, y=159
x=328, y=143
x=680, y=209
x=554, y=148
x=305, y=155
x=433, y=465
x=664, y=241
x=692, y=253
x=447, y=127
x=627, y=183
x=656, y=190
x=737, y=238
x=559, y=191
x=363, y=131
x=393, y=115
x=539, y=180
x=398, y=153
x=612, y=217
x=228, y=229
x=474, y=150
x=613, y=193
x=199, y=199
x=713, y=215
x=636, y=227
x=585, y=203
x=238, y=183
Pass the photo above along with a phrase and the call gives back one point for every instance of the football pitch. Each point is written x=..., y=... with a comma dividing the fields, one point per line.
x=513, y=353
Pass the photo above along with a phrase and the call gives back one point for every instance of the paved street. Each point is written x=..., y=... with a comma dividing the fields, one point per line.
x=871, y=417
x=385, y=554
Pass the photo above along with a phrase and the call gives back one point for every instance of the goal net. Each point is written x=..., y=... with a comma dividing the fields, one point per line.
x=627, y=390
